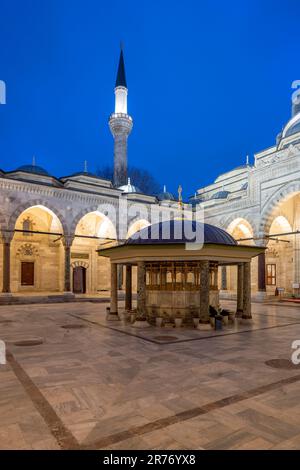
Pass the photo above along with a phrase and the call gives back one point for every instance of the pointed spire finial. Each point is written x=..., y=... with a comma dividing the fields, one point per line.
x=33, y=160
x=121, y=77
x=85, y=168
x=247, y=160
x=165, y=188
x=128, y=181
x=180, y=196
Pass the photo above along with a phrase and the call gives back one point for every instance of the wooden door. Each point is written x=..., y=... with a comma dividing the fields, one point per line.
x=79, y=280
x=27, y=273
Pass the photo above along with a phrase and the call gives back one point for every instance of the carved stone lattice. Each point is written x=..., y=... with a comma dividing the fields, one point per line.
x=27, y=249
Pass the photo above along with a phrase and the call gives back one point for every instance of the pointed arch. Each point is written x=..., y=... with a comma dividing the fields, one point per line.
x=106, y=210
x=274, y=203
x=43, y=205
x=234, y=219
x=137, y=225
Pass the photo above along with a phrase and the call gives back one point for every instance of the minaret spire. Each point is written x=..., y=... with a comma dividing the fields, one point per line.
x=121, y=76
x=120, y=124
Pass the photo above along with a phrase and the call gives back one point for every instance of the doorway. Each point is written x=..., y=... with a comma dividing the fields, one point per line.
x=27, y=273
x=79, y=280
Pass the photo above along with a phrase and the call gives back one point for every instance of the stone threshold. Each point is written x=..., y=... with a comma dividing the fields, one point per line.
x=51, y=299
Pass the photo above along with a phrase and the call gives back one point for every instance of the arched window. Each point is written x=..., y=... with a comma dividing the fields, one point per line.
x=27, y=225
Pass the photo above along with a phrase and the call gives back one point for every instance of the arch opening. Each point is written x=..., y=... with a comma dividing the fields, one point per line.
x=136, y=226
x=101, y=231
x=37, y=253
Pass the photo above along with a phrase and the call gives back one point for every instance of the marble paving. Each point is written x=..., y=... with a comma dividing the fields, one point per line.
x=108, y=386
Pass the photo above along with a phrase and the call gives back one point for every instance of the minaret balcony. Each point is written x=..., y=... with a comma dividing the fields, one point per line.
x=120, y=123
x=120, y=115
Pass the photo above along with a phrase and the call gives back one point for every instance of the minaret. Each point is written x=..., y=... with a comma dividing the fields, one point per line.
x=120, y=124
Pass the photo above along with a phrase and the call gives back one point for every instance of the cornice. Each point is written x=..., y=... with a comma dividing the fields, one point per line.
x=66, y=194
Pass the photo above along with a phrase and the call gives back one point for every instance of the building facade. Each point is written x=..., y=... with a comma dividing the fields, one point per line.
x=260, y=204
x=51, y=227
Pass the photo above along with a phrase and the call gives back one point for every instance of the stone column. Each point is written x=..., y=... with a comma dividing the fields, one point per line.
x=204, y=291
x=6, y=240
x=141, y=318
x=223, y=278
x=128, y=288
x=240, y=278
x=141, y=289
x=216, y=278
x=113, y=314
x=67, y=241
x=247, y=292
x=296, y=262
x=262, y=272
x=120, y=276
x=163, y=280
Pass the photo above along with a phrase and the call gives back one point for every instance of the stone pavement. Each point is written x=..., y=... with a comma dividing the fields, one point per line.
x=106, y=386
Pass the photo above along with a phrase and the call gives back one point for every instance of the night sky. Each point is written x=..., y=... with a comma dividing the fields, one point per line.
x=209, y=82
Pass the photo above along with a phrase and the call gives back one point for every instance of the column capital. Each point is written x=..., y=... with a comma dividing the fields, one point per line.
x=67, y=240
x=7, y=236
x=262, y=242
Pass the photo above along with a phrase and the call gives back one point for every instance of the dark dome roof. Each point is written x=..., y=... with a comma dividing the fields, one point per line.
x=220, y=195
x=158, y=233
x=293, y=129
x=166, y=196
x=35, y=169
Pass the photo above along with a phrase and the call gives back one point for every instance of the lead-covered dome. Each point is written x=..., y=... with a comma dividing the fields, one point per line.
x=175, y=231
x=35, y=169
x=220, y=195
x=292, y=127
x=129, y=188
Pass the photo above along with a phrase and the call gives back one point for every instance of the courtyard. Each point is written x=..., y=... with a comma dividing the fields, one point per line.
x=76, y=381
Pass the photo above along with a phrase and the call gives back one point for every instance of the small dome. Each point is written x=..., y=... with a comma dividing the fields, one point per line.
x=173, y=231
x=35, y=169
x=220, y=195
x=195, y=200
x=165, y=195
x=129, y=188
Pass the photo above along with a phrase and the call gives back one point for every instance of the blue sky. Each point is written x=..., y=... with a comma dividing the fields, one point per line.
x=209, y=83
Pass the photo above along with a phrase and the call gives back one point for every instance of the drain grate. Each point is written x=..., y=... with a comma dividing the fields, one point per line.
x=73, y=326
x=166, y=338
x=29, y=342
x=284, y=364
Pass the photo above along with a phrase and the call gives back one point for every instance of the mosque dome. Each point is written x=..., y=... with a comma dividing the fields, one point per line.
x=129, y=188
x=165, y=195
x=293, y=129
x=220, y=195
x=35, y=169
x=173, y=232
